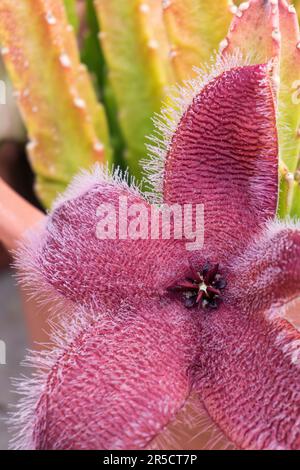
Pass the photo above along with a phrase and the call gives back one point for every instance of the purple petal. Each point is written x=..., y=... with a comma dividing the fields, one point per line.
x=247, y=375
x=68, y=257
x=268, y=273
x=113, y=383
x=248, y=368
x=224, y=154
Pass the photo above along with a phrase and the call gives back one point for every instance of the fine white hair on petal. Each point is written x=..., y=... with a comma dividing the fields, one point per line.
x=267, y=241
x=28, y=272
x=27, y=255
x=22, y=418
x=29, y=276
x=263, y=238
x=167, y=121
x=98, y=174
x=276, y=225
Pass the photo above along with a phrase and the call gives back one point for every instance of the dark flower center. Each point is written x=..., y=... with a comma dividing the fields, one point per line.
x=201, y=288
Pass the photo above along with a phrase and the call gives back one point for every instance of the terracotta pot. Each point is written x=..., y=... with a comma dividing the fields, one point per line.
x=15, y=171
x=17, y=216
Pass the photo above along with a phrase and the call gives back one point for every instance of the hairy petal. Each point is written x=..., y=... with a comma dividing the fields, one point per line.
x=224, y=154
x=248, y=366
x=247, y=375
x=116, y=384
x=71, y=256
x=267, y=275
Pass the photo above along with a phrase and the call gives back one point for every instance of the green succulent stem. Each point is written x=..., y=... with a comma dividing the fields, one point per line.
x=71, y=9
x=66, y=124
x=136, y=51
x=92, y=55
x=286, y=190
x=295, y=206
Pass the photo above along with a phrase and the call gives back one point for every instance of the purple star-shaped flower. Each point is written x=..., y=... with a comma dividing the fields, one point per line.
x=148, y=323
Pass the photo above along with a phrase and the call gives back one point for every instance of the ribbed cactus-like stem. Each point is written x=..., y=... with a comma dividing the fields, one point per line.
x=195, y=29
x=297, y=6
x=254, y=31
x=136, y=49
x=92, y=55
x=66, y=125
x=266, y=31
x=289, y=101
x=289, y=98
x=286, y=189
x=71, y=9
x=11, y=128
x=295, y=206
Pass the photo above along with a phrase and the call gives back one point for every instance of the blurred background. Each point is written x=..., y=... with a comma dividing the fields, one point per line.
x=16, y=171
x=14, y=333
x=145, y=47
